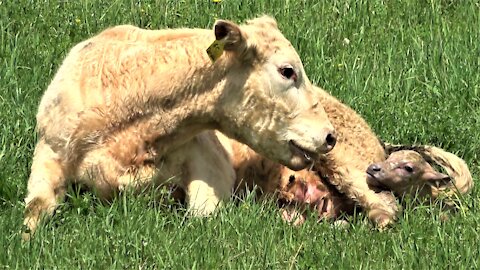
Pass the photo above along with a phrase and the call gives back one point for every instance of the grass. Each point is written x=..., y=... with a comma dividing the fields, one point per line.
x=411, y=68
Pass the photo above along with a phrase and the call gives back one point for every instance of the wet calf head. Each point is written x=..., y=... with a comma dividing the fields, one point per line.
x=301, y=189
x=405, y=172
x=305, y=189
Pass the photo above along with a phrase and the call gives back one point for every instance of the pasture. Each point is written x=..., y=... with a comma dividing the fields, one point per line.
x=411, y=68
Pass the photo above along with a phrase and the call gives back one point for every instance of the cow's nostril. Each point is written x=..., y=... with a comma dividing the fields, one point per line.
x=331, y=139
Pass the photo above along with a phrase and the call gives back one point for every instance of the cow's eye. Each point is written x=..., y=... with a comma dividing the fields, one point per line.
x=288, y=72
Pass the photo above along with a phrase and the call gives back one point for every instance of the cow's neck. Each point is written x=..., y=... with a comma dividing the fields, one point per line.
x=182, y=93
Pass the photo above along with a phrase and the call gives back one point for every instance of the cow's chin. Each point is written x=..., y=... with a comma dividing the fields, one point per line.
x=300, y=158
x=299, y=162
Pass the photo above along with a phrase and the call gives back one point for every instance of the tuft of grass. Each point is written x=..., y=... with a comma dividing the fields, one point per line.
x=411, y=68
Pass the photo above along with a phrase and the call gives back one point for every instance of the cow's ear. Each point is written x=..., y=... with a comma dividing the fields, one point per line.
x=230, y=35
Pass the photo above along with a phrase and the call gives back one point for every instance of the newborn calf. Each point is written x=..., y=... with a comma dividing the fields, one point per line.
x=307, y=190
x=410, y=171
x=405, y=172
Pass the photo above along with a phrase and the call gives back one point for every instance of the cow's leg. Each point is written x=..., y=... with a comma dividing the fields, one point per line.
x=46, y=186
x=106, y=174
x=210, y=177
x=352, y=182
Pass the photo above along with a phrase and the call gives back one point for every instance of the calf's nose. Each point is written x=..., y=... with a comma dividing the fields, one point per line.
x=373, y=168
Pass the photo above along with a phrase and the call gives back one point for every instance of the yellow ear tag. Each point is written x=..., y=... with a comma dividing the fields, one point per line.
x=215, y=50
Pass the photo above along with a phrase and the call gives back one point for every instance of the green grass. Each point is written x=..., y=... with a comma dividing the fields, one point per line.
x=412, y=69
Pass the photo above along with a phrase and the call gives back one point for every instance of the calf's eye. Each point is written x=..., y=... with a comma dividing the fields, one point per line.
x=408, y=168
x=291, y=179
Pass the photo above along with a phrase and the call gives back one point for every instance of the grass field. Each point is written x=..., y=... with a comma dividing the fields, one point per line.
x=411, y=68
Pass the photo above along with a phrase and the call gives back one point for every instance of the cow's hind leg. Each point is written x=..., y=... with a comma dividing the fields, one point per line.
x=46, y=186
x=105, y=173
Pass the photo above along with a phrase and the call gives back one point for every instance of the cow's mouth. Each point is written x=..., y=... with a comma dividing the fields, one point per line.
x=307, y=155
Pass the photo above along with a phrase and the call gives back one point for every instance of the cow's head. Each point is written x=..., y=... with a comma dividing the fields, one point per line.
x=268, y=102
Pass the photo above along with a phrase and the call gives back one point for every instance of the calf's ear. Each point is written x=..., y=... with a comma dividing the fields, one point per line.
x=230, y=35
x=436, y=179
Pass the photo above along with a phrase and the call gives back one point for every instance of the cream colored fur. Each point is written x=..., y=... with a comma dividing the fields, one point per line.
x=128, y=105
